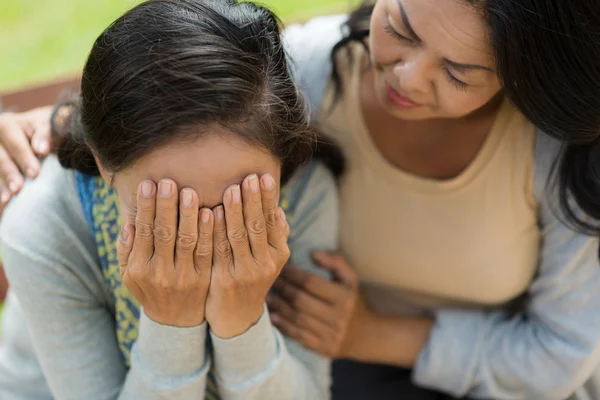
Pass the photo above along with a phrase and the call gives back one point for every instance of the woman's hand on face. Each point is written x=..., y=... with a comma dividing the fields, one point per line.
x=321, y=314
x=23, y=138
x=250, y=249
x=165, y=260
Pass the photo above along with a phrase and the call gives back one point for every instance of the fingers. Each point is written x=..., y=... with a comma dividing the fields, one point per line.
x=301, y=319
x=222, y=250
x=40, y=139
x=165, y=221
x=203, y=256
x=274, y=216
x=11, y=180
x=303, y=301
x=16, y=143
x=187, y=232
x=317, y=286
x=254, y=218
x=144, y=221
x=288, y=328
x=124, y=246
x=234, y=220
x=337, y=264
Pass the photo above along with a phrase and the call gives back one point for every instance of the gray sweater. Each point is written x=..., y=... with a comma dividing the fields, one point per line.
x=58, y=326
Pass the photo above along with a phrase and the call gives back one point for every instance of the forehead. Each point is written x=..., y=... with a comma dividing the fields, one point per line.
x=209, y=165
x=452, y=26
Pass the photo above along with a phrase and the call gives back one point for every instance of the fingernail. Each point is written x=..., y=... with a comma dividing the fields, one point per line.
x=41, y=146
x=282, y=217
x=204, y=216
x=124, y=235
x=187, y=197
x=165, y=188
x=4, y=197
x=236, y=196
x=31, y=172
x=219, y=213
x=267, y=181
x=253, y=182
x=147, y=188
x=13, y=186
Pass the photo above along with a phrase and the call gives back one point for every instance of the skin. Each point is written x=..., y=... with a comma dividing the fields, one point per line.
x=437, y=140
x=197, y=245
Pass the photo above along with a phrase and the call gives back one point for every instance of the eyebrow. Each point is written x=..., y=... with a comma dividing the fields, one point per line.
x=453, y=64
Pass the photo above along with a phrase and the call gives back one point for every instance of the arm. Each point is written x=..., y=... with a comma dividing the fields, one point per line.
x=261, y=363
x=52, y=267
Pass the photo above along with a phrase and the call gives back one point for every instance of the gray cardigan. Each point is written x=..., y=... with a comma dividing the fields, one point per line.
x=552, y=349
x=59, y=326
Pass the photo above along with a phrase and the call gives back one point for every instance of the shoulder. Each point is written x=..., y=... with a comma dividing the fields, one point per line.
x=311, y=186
x=313, y=213
x=309, y=48
x=45, y=222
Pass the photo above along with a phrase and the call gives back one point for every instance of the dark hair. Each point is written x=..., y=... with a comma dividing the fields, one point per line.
x=547, y=55
x=173, y=69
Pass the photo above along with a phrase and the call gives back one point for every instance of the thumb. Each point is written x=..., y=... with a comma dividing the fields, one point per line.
x=124, y=246
x=337, y=264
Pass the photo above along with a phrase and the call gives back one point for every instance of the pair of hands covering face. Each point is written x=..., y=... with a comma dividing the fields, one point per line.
x=215, y=265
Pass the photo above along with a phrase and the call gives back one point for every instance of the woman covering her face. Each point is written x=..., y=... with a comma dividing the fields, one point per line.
x=140, y=263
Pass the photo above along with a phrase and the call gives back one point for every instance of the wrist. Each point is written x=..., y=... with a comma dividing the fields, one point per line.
x=364, y=331
x=236, y=326
x=174, y=320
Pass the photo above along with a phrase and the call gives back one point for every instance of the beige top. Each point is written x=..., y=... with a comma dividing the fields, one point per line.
x=419, y=243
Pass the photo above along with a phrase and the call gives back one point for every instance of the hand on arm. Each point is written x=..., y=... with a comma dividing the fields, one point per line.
x=330, y=318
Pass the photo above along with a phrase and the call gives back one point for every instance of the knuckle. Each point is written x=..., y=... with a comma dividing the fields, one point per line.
x=271, y=219
x=144, y=230
x=163, y=235
x=204, y=238
x=222, y=249
x=162, y=283
x=257, y=226
x=186, y=242
x=202, y=254
x=238, y=235
x=285, y=253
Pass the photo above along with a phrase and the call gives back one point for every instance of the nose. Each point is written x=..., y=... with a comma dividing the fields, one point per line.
x=412, y=74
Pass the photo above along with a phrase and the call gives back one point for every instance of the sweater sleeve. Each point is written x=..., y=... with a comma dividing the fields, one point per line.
x=309, y=48
x=51, y=262
x=551, y=348
x=261, y=363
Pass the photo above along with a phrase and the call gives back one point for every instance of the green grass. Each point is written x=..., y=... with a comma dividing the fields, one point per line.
x=41, y=40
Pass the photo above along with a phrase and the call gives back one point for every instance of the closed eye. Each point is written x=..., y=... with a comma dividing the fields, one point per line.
x=397, y=35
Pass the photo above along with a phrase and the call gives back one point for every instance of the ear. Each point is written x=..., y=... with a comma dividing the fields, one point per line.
x=103, y=171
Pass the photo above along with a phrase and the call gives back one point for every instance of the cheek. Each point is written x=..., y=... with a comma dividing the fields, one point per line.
x=458, y=104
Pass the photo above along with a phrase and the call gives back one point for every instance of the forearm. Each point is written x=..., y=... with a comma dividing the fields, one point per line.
x=259, y=365
x=391, y=340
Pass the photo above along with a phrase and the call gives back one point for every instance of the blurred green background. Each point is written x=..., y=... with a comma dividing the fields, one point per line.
x=41, y=40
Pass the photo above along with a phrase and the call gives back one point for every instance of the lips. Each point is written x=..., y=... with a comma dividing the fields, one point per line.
x=399, y=100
